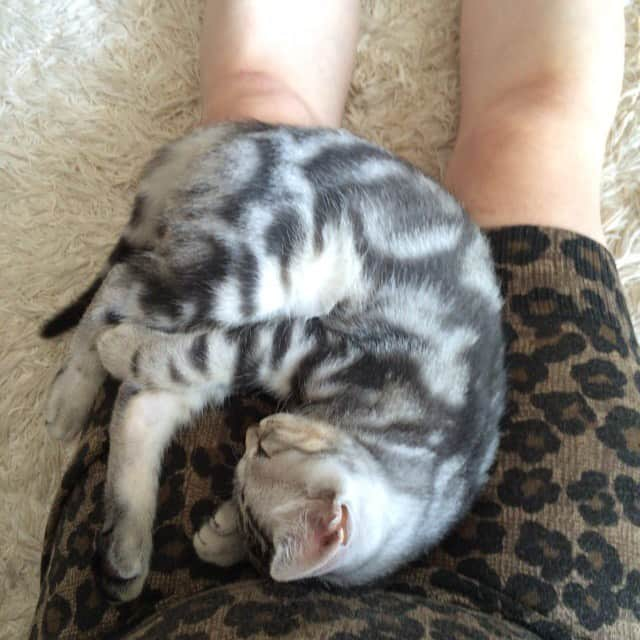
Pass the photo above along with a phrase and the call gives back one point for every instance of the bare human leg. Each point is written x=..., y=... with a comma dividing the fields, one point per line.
x=541, y=81
x=281, y=61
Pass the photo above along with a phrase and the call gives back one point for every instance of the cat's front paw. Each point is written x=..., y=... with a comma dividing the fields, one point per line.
x=71, y=397
x=219, y=541
x=123, y=559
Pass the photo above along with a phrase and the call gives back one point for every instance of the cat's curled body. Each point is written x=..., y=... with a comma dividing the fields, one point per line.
x=322, y=269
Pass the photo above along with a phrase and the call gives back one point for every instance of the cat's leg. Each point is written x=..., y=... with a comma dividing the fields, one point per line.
x=217, y=363
x=222, y=361
x=172, y=361
x=74, y=388
x=77, y=382
x=142, y=425
x=219, y=541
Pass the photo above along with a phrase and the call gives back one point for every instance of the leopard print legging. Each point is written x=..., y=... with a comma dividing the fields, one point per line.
x=549, y=551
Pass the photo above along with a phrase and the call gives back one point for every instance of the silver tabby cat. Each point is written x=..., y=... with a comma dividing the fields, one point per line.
x=315, y=266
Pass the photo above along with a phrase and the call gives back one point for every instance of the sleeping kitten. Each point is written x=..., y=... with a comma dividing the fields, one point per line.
x=324, y=270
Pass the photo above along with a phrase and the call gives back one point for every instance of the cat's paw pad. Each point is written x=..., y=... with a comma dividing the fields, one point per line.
x=219, y=541
x=70, y=400
x=117, y=348
x=123, y=558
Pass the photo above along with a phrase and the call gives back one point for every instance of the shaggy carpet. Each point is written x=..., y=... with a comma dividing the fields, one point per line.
x=88, y=88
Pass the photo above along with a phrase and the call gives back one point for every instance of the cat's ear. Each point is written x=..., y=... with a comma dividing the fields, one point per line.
x=316, y=547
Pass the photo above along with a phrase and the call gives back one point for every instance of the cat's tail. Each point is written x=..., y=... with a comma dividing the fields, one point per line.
x=71, y=315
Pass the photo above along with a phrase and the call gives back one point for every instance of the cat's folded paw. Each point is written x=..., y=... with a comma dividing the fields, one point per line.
x=117, y=348
x=70, y=400
x=219, y=541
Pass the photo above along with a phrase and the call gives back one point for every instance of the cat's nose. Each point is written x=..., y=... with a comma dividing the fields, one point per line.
x=251, y=439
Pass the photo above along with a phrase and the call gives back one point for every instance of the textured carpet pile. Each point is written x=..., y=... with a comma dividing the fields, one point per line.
x=88, y=88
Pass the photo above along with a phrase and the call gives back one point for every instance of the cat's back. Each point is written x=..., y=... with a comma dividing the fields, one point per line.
x=308, y=201
x=228, y=172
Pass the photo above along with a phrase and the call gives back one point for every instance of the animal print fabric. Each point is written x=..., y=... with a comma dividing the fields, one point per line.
x=550, y=549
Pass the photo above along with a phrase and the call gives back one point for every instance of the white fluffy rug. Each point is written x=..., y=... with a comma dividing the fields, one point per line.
x=88, y=88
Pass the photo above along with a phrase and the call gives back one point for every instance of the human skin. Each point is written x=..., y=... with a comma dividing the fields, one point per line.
x=282, y=61
x=540, y=83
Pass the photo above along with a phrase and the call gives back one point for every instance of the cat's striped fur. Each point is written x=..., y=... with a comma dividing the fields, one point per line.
x=322, y=269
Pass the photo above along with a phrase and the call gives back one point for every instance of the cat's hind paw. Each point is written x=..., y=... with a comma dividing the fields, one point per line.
x=219, y=541
x=70, y=400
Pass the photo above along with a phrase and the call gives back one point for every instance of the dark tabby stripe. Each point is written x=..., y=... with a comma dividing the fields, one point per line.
x=135, y=362
x=174, y=373
x=113, y=317
x=259, y=548
x=248, y=276
x=199, y=353
x=328, y=166
x=281, y=342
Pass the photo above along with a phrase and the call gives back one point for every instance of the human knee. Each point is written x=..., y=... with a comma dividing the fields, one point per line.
x=258, y=96
x=531, y=157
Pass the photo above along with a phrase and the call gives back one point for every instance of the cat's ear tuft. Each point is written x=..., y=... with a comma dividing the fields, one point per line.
x=316, y=545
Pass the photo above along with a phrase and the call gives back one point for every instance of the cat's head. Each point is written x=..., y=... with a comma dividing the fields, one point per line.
x=298, y=491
